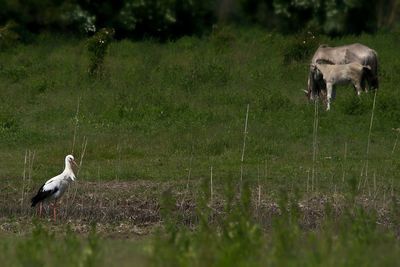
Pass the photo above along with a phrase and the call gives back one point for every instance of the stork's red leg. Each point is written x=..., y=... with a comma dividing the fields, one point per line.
x=40, y=209
x=54, y=210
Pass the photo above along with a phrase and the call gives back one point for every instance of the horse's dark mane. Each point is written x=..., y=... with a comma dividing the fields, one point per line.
x=324, y=61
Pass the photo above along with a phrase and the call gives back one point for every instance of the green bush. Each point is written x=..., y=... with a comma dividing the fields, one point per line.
x=223, y=37
x=300, y=48
x=174, y=18
x=154, y=16
x=8, y=35
x=97, y=47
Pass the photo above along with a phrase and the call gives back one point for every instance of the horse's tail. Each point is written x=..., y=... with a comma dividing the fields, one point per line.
x=372, y=61
x=367, y=75
x=375, y=81
x=313, y=90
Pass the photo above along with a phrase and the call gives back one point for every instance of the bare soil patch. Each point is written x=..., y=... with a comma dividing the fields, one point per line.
x=124, y=209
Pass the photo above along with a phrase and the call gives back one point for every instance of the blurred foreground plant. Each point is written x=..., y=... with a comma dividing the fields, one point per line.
x=340, y=237
x=301, y=47
x=232, y=239
x=44, y=248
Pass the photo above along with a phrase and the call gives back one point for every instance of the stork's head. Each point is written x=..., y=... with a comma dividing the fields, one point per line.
x=69, y=161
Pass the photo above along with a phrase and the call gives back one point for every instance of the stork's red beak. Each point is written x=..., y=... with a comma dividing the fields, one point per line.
x=73, y=161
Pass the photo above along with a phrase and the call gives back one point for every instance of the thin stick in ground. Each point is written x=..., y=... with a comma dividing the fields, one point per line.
x=391, y=170
x=266, y=173
x=76, y=125
x=190, y=170
x=369, y=138
x=315, y=140
x=244, y=145
x=83, y=151
x=118, y=164
x=211, y=186
x=395, y=142
x=23, y=182
x=31, y=158
x=393, y=150
x=344, y=162
x=392, y=187
x=258, y=187
x=188, y=177
x=361, y=175
x=84, y=145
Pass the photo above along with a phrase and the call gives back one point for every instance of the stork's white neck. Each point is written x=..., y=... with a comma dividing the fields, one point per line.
x=67, y=165
x=68, y=169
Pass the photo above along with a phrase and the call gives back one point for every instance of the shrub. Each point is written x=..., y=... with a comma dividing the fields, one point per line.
x=79, y=19
x=223, y=37
x=153, y=16
x=300, y=48
x=97, y=47
x=165, y=19
x=8, y=35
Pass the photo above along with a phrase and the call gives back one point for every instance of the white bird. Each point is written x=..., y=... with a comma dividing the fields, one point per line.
x=54, y=188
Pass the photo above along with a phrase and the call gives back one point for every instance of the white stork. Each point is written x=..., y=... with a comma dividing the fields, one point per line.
x=54, y=188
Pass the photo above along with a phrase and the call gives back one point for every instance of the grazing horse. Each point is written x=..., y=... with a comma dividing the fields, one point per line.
x=342, y=55
x=332, y=75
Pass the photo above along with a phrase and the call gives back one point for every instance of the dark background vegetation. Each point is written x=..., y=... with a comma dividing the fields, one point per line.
x=165, y=19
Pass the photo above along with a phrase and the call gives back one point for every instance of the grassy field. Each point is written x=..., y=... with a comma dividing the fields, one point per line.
x=162, y=115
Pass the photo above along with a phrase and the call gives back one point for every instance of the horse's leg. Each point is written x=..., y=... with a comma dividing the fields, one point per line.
x=358, y=87
x=328, y=95
x=365, y=84
x=366, y=87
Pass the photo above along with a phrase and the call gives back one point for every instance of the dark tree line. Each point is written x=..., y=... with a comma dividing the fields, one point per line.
x=173, y=18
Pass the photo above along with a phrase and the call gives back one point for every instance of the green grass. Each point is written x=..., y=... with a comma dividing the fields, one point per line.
x=159, y=104
x=44, y=247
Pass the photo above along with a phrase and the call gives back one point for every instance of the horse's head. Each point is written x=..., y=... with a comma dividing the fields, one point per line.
x=370, y=77
x=315, y=82
x=316, y=73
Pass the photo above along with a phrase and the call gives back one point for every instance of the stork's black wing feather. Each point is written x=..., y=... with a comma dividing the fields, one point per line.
x=42, y=195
